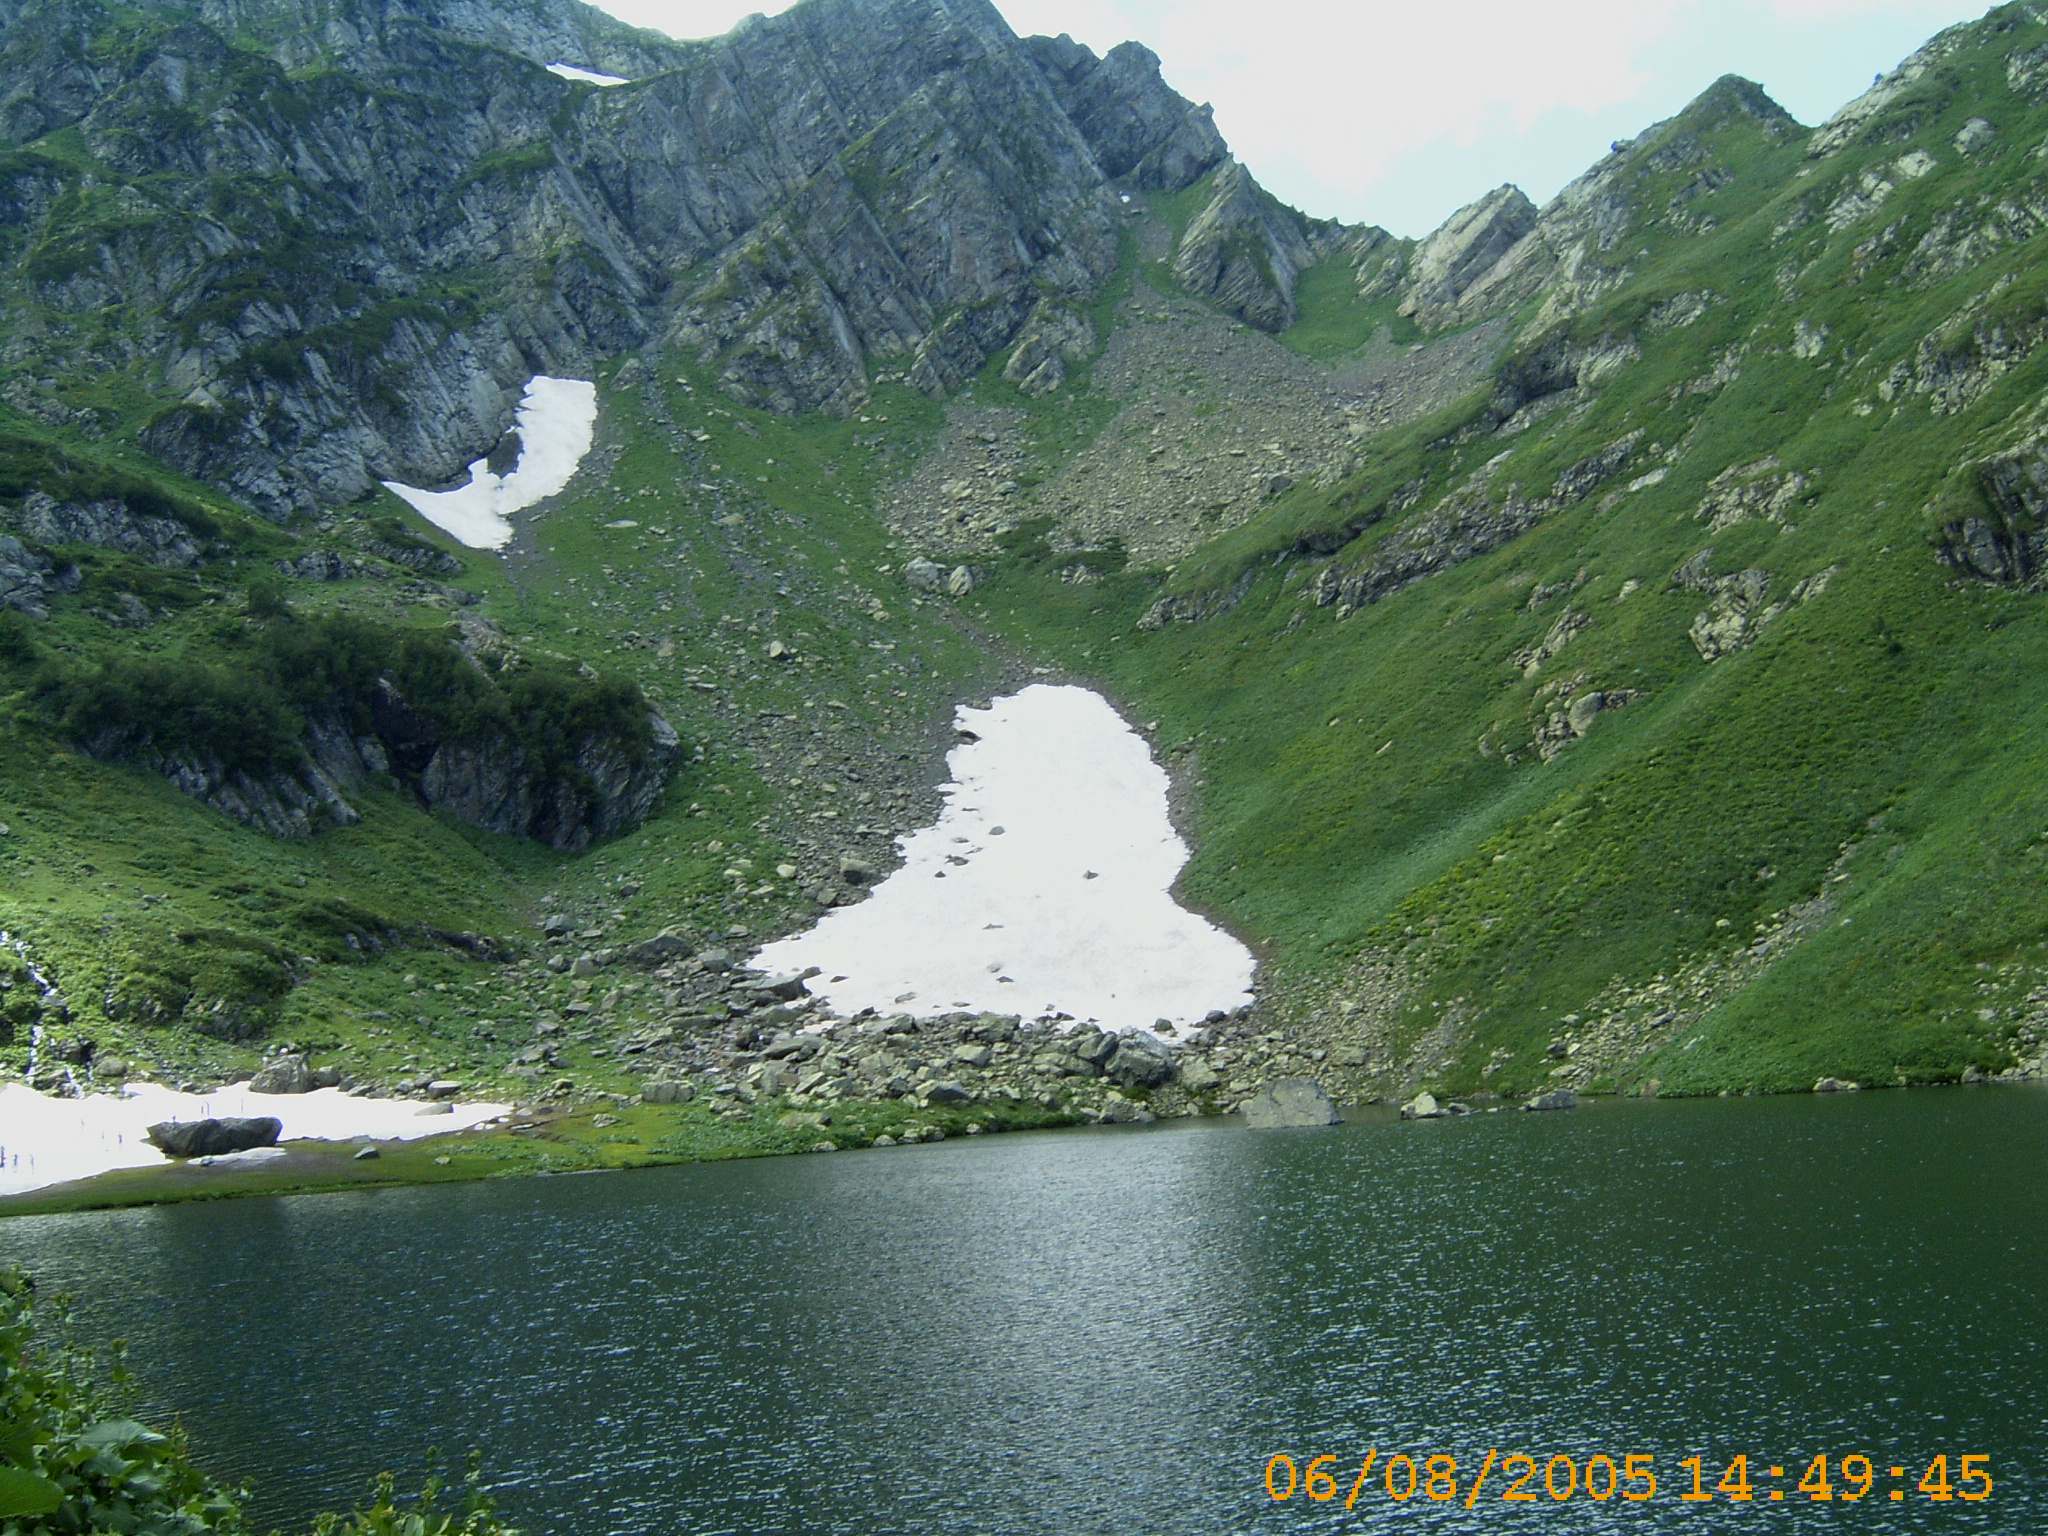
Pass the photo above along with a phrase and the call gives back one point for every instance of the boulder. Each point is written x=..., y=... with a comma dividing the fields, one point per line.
x=785, y=988
x=287, y=1074
x=1198, y=1076
x=924, y=576
x=1118, y=1110
x=665, y=1091
x=659, y=950
x=214, y=1138
x=1835, y=1085
x=1557, y=1098
x=1140, y=1062
x=1094, y=1047
x=1294, y=1101
x=1422, y=1107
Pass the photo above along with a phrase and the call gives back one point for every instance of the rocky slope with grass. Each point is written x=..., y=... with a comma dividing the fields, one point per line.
x=1596, y=646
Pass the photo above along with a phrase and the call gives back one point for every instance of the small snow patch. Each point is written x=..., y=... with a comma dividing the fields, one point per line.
x=557, y=423
x=587, y=76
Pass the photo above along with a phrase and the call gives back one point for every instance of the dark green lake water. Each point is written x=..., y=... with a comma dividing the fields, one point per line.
x=1112, y=1331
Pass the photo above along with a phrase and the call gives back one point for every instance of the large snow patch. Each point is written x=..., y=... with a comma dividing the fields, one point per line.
x=1043, y=888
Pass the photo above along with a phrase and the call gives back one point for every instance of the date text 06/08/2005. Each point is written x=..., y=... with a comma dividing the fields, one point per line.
x=1517, y=1478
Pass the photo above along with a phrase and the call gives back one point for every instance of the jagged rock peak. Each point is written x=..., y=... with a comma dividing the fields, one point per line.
x=1140, y=128
x=347, y=32
x=1735, y=93
x=1245, y=250
x=1468, y=245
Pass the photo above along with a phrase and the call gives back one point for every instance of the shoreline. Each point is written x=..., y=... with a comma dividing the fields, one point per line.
x=561, y=1143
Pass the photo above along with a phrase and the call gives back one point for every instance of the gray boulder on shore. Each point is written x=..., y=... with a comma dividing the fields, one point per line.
x=214, y=1138
x=1294, y=1101
x=287, y=1074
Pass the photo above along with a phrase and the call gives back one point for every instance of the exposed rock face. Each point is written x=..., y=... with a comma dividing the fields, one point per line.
x=24, y=579
x=2008, y=543
x=294, y=803
x=162, y=541
x=606, y=785
x=1244, y=251
x=1469, y=245
x=603, y=791
x=214, y=1138
x=851, y=180
x=1294, y=1101
x=1141, y=131
x=1500, y=252
x=1053, y=338
x=1473, y=520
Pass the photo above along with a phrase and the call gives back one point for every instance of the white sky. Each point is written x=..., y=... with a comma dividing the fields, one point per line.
x=1388, y=112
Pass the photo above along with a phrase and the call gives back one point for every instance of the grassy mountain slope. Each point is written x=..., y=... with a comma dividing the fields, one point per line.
x=1819, y=853
x=1641, y=716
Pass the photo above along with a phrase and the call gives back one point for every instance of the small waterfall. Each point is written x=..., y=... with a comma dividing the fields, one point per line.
x=46, y=990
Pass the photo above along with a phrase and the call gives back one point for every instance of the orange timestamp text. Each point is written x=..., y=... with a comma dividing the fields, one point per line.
x=1518, y=1478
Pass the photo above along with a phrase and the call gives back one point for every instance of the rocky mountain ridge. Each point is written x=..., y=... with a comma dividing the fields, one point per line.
x=853, y=182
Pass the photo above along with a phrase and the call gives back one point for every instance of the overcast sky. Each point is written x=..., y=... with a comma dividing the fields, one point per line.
x=1395, y=113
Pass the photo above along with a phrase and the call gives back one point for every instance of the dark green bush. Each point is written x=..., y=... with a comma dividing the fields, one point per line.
x=250, y=711
x=171, y=705
x=17, y=640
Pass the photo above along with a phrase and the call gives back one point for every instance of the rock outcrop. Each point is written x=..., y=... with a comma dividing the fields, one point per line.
x=1470, y=244
x=606, y=783
x=2007, y=542
x=1143, y=133
x=113, y=525
x=24, y=579
x=1243, y=251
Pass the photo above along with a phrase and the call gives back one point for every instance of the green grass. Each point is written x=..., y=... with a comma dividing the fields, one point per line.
x=608, y=1139
x=1332, y=322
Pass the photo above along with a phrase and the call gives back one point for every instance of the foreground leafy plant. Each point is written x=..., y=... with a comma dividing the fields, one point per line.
x=69, y=1464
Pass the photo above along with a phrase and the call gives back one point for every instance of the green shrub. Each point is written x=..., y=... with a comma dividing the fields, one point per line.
x=137, y=704
x=67, y=1463
x=266, y=599
x=17, y=640
x=248, y=709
